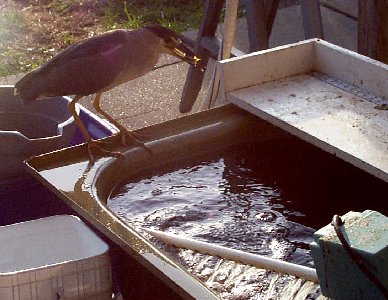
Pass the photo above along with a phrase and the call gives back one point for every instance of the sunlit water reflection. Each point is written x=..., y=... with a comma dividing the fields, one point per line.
x=243, y=200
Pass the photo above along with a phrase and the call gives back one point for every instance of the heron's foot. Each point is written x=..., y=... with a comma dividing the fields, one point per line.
x=128, y=136
x=95, y=150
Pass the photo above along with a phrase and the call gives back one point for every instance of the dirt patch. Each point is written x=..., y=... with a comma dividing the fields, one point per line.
x=33, y=31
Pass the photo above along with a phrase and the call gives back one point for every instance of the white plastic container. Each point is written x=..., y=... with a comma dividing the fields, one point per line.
x=56, y=257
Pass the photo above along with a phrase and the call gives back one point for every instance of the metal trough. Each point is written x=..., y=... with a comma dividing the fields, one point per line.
x=85, y=188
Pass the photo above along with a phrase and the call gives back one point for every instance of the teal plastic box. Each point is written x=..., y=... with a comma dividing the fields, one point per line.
x=339, y=276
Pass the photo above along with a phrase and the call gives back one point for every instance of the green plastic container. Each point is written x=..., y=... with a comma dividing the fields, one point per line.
x=339, y=276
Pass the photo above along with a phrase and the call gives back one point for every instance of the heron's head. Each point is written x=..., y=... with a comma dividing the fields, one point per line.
x=172, y=44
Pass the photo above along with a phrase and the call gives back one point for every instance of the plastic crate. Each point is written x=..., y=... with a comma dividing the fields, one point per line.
x=57, y=257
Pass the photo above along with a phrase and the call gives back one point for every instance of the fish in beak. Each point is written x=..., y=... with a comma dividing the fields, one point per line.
x=172, y=44
x=177, y=48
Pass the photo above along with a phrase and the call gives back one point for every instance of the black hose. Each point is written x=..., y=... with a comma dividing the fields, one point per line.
x=356, y=258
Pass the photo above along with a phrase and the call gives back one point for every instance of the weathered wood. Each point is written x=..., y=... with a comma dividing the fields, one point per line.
x=257, y=25
x=195, y=76
x=373, y=29
x=260, y=17
x=312, y=21
x=271, y=7
x=348, y=8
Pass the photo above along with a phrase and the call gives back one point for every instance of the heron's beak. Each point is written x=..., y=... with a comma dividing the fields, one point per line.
x=177, y=48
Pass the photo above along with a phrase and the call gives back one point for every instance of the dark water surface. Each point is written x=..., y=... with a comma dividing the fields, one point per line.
x=261, y=198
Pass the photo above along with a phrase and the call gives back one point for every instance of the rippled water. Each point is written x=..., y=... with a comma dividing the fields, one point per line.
x=216, y=202
x=239, y=199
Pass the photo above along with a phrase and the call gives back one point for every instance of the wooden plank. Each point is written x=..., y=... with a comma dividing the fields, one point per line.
x=195, y=75
x=260, y=17
x=271, y=8
x=373, y=29
x=348, y=8
x=257, y=25
x=331, y=118
x=312, y=21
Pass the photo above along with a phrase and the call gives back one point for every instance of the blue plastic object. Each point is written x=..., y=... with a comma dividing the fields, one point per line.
x=339, y=276
x=97, y=127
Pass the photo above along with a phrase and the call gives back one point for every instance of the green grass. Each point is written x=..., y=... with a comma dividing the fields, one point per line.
x=176, y=15
x=60, y=6
x=67, y=38
x=23, y=46
x=10, y=36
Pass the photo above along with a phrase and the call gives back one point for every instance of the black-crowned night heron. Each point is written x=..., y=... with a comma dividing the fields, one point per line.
x=100, y=63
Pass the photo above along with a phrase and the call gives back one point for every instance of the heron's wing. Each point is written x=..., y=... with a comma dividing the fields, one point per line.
x=83, y=68
x=95, y=46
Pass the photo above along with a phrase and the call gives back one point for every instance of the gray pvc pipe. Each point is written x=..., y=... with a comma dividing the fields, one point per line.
x=237, y=255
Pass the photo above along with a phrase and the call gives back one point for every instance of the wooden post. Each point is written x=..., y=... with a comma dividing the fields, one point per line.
x=195, y=76
x=260, y=17
x=312, y=21
x=257, y=25
x=373, y=29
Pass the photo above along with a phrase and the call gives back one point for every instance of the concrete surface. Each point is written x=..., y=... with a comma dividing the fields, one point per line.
x=155, y=97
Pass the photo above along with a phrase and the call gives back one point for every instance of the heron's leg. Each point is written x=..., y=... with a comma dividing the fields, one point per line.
x=92, y=146
x=81, y=126
x=123, y=131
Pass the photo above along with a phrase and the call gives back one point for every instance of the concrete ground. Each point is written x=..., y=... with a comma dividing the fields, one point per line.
x=155, y=97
